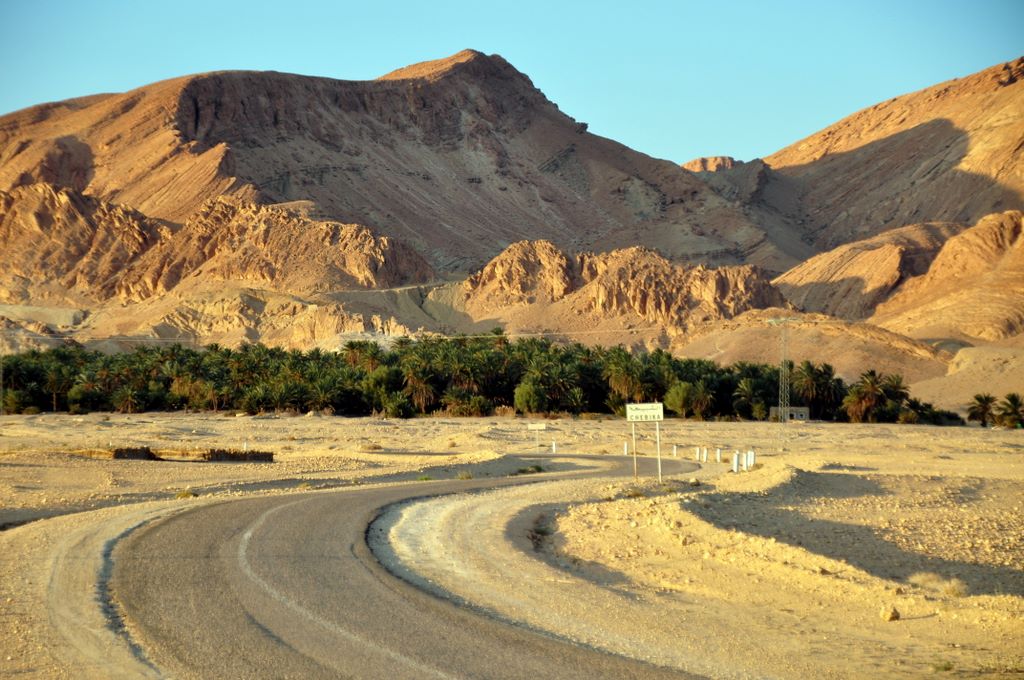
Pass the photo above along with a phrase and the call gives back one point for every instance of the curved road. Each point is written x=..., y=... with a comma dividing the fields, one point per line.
x=286, y=587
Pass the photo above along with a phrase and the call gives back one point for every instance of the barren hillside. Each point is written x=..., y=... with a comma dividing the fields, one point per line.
x=974, y=289
x=458, y=157
x=950, y=153
x=851, y=280
x=261, y=206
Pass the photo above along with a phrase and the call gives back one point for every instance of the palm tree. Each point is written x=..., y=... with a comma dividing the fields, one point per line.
x=831, y=390
x=805, y=383
x=745, y=396
x=864, y=397
x=895, y=389
x=417, y=373
x=701, y=399
x=981, y=408
x=623, y=375
x=126, y=399
x=1011, y=410
x=59, y=380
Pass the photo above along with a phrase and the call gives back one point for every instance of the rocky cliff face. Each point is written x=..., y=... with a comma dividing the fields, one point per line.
x=59, y=246
x=534, y=282
x=273, y=248
x=711, y=164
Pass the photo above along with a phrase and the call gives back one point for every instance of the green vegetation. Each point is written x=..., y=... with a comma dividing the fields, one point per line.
x=236, y=456
x=1008, y=413
x=466, y=376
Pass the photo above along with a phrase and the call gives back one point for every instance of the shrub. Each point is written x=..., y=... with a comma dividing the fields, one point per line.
x=236, y=456
x=134, y=453
x=530, y=397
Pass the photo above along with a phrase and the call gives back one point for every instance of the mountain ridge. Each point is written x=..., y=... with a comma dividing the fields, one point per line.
x=239, y=206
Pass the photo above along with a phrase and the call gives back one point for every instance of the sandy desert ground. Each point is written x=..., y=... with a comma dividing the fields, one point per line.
x=789, y=570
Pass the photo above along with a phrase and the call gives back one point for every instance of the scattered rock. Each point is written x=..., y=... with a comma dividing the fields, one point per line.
x=890, y=613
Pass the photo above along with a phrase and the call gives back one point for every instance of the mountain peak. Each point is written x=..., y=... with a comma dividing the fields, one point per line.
x=438, y=68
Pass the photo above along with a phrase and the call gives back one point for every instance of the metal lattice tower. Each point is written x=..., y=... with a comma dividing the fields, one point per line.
x=782, y=322
x=783, y=378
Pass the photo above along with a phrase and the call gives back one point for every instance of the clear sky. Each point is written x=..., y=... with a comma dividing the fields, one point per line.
x=675, y=80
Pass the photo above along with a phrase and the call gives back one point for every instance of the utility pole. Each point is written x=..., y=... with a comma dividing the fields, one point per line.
x=782, y=322
x=783, y=377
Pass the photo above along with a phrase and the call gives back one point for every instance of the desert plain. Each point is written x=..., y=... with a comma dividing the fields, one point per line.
x=847, y=551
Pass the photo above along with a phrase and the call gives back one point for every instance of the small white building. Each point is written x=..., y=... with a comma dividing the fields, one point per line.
x=796, y=413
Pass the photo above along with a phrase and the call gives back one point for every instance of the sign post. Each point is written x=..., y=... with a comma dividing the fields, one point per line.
x=537, y=429
x=636, y=476
x=657, y=438
x=646, y=413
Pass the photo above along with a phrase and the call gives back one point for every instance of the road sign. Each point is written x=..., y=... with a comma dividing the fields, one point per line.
x=645, y=413
x=537, y=426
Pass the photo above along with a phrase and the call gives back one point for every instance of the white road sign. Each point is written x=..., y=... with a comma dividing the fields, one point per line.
x=645, y=413
x=537, y=426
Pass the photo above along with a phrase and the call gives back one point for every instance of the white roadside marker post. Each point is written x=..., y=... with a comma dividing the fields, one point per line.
x=696, y=453
x=718, y=455
x=625, y=448
x=675, y=453
x=554, y=447
x=750, y=459
x=736, y=461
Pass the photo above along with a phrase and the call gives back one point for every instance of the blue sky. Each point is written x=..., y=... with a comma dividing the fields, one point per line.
x=675, y=80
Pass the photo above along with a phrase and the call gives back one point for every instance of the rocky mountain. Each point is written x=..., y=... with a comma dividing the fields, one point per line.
x=948, y=153
x=58, y=246
x=711, y=164
x=972, y=292
x=274, y=248
x=64, y=247
x=452, y=196
x=457, y=157
x=852, y=280
x=534, y=286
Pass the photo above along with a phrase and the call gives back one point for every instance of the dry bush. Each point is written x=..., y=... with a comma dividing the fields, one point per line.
x=133, y=453
x=951, y=587
x=236, y=456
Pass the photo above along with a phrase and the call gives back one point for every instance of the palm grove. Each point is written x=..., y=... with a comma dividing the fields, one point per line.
x=464, y=376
